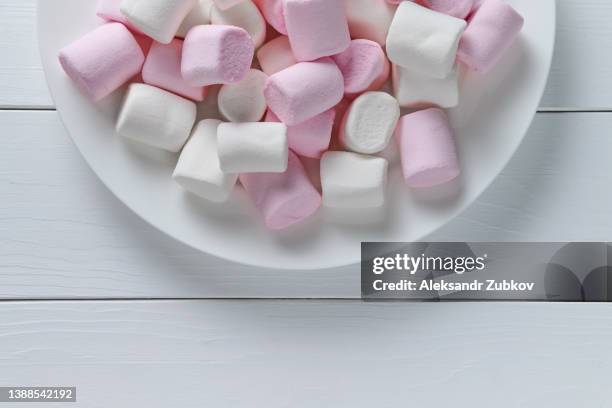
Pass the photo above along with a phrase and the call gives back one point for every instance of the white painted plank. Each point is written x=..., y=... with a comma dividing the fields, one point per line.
x=311, y=354
x=63, y=235
x=581, y=75
x=22, y=81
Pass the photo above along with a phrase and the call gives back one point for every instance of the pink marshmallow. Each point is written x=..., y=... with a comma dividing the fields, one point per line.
x=491, y=31
x=316, y=28
x=311, y=138
x=284, y=199
x=216, y=54
x=304, y=90
x=455, y=8
x=273, y=12
x=103, y=60
x=276, y=55
x=341, y=109
x=364, y=66
x=427, y=147
x=162, y=69
x=144, y=42
x=109, y=11
x=477, y=4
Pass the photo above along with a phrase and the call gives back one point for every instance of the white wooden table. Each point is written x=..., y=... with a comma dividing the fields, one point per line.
x=92, y=296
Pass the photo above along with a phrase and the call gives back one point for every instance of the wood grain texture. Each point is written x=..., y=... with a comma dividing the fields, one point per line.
x=311, y=354
x=22, y=81
x=581, y=76
x=63, y=235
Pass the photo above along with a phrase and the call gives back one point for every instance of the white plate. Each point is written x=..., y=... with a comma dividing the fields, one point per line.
x=233, y=231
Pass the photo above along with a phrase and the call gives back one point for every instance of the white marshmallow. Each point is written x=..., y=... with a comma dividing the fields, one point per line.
x=199, y=15
x=352, y=180
x=244, y=14
x=159, y=19
x=276, y=55
x=369, y=122
x=423, y=40
x=253, y=147
x=198, y=168
x=369, y=19
x=244, y=101
x=155, y=117
x=414, y=90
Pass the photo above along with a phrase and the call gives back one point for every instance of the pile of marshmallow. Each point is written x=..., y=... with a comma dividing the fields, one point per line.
x=296, y=79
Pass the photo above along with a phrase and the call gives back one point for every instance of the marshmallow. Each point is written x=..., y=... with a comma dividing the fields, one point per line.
x=455, y=8
x=252, y=147
x=109, y=10
x=429, y=155
x=369, y=123
x=199, y=15
x=103, y=60
x=341, y=109
x=316, y=28
x=244, y=101
x=226, y=4
x=162, y=69
x=477, y=4
x=273, y=12
x=244, y=14
x=285, y=198
x=159, y=19
x=364, y=66
x=311, y=138
x=156, y=117
x=304, y=90
x=414, y=90
x=353, y=181
x=369, y=19
x=491, y=31
x=198, y=168
x=276, y=55
x=423, y=40
x=215, y=54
